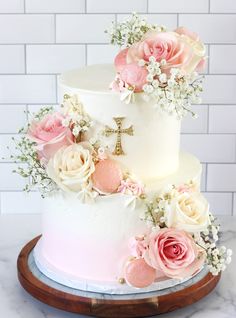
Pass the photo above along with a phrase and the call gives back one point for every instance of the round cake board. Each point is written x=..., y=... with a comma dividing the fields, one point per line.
x=104, y=305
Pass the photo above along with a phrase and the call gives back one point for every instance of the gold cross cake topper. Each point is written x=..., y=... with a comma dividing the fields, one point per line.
x=118, y=151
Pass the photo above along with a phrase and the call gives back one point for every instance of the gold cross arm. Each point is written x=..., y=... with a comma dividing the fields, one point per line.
x=119, y=131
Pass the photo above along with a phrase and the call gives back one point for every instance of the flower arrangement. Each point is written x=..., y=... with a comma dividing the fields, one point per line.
x=161, y=64
x=182, y=238
x=57, y=155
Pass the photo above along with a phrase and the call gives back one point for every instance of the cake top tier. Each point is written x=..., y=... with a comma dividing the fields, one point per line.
x=93, y=78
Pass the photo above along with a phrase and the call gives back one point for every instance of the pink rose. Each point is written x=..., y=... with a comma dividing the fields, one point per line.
x=175, y=253
x=134, y=75
x=181, y=49
x=120, y=60
x=50, y=135
x=162, y=45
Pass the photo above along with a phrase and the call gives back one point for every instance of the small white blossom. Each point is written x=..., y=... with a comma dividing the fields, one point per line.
x=152, y=59
x=155, y=83
x=66, y=122
x=163, y=62
x=141, y=62
x=229, y=252
x=163, y=78
x=149, y=77
x=174, y=71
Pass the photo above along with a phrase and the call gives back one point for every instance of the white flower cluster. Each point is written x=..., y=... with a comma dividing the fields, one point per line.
x=75, y=116
x=217, y=257
x=175, y=93
x=154, y=214
x=79, y=123
x=166, y=207
x=131, y=30
x=31, y=169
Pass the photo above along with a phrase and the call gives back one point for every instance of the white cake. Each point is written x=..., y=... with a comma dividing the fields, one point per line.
x=86, y=245
x=156, y=134
x=123, y=212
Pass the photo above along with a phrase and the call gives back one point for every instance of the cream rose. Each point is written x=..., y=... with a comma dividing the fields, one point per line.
x=189, y=211
x=71, y=167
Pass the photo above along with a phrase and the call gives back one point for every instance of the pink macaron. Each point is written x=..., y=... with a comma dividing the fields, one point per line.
x=139, y=274
x=107, y=176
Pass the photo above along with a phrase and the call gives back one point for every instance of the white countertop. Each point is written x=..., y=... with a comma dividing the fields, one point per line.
x=17, y=230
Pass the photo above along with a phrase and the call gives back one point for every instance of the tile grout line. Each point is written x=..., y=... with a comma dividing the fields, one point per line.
x=208, y=119
x=121, y=13
x=106, y=44
x=102, y=43
x=209, y=58
x=86, y=54
x=25, y=59
x=206, y=176
x=55, y=28
x=233, y=203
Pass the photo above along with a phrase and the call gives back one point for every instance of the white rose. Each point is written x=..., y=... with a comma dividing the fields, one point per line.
x=71, y=167
x=199, y=52
x=188, y=212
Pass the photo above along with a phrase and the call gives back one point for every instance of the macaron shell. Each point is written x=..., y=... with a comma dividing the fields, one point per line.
x=139, y=274
x=107, y=176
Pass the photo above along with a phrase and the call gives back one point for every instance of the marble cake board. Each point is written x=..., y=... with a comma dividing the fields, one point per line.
x=104, y=305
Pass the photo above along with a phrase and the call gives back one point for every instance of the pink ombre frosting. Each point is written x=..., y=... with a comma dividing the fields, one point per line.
x=89, y=241
x=50, y=135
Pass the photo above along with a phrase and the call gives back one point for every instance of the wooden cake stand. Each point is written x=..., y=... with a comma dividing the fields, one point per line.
x=104, y=305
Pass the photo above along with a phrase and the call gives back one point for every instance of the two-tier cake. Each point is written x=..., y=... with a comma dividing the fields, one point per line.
x=123, y=212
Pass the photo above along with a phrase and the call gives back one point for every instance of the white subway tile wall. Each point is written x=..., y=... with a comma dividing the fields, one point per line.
x=41, y=38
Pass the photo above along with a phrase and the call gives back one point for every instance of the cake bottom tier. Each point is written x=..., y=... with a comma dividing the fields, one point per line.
x=87, y=245
x=97, y=286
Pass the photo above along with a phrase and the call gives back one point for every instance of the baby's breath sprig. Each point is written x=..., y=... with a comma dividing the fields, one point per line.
x=32, y=169
x=130, y=31
x=75, y=116
x=174, y=93
x=216, y=257
x=155, y=212
x=42, y=112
